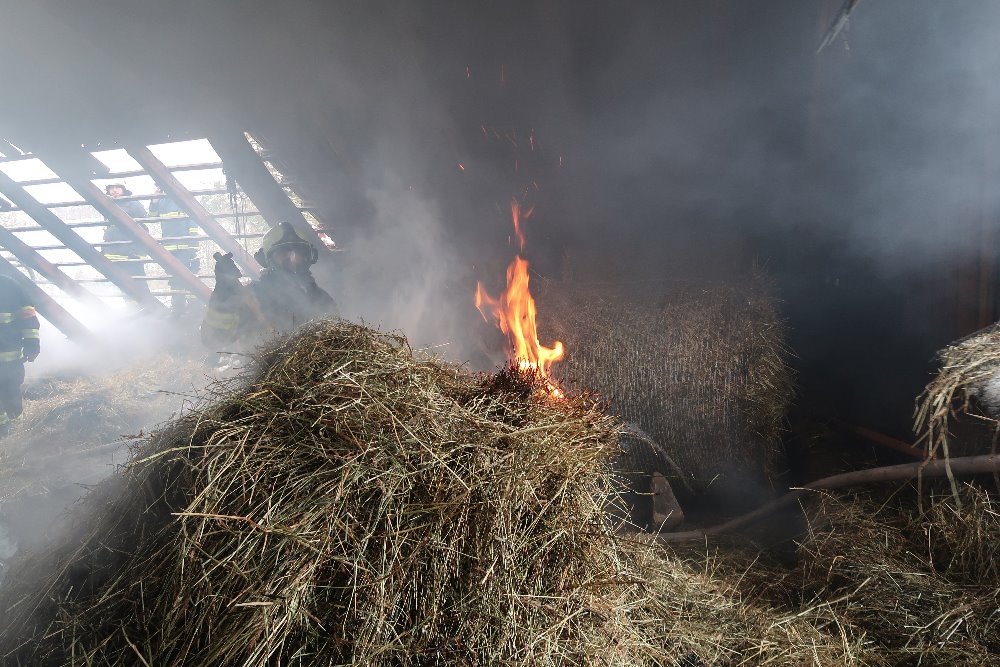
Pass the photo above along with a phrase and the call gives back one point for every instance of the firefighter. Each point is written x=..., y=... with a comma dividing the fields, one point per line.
x=124, y=254
x=284, y=297
x=174, y=226
x=18, y=343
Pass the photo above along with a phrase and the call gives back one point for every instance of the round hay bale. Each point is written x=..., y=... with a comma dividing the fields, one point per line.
x=702, y=370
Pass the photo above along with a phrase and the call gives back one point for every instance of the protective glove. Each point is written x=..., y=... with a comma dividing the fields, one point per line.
x=227, y=274
x=30, y=355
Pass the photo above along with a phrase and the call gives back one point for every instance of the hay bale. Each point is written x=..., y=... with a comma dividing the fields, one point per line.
x=347, y=503
x=702, y=370
x=957, y=412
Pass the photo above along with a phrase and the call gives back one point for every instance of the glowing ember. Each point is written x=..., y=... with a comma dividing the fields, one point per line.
x=515, y=312
x=515, y=214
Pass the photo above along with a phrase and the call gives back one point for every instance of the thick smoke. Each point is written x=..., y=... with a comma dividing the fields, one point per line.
x=670, y=140
x=79, y=423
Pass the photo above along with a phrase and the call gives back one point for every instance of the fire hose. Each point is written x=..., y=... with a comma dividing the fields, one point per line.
x=966, y=465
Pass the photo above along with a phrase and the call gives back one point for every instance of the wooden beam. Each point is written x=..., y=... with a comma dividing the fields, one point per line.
x=8, y=149
x=47, y=306
x=17, y=158
x=51, y=223
x=173, y=188
x=30, y=257
x=879, y=439
x=107, y=207
x=198, y=166
x=242, y=163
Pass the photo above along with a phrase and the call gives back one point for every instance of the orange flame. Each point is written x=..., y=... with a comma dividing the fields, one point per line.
x=515, y=213
x=515, y=311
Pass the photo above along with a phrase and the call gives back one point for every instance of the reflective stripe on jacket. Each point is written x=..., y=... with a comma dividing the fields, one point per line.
x=174, y=224
x=18, y=322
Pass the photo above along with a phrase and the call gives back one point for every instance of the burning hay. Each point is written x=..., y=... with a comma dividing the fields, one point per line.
x=702, y=371
x=350, y=504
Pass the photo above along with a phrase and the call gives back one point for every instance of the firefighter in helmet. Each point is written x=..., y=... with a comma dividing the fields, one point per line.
x=18, y=343
x=284, y=297
x=177, y=230
x=118, y=245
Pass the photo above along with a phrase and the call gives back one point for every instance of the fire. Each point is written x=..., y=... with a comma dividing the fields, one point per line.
x=515, y=311
x=515, y=213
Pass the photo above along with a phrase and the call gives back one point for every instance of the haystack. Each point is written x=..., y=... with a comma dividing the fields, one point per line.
x=348, y=503
x=67, y=419
x=703, y=370
x=916, y=587
x=957, y=413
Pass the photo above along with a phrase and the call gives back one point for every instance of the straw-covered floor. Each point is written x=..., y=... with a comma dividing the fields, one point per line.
x=72, y=426
x=703, y=369
x=915, y=586
x=74, y=431
x=350, y=502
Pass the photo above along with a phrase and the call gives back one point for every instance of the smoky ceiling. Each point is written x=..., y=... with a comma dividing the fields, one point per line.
x=673, y=136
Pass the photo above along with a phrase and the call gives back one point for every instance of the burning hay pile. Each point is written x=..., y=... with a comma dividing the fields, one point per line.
x=347, y=503
x=702, y=370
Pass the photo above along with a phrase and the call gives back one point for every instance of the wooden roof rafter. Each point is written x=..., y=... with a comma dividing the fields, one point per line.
x=244, y=164
x=55, y=226
x=17, y=158
x=77, y=167
x=185, y=199
x=48, y=307
x=116, y=215
x=30, y=257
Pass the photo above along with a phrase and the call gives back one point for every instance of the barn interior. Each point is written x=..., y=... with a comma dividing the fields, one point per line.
x=753, y=225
